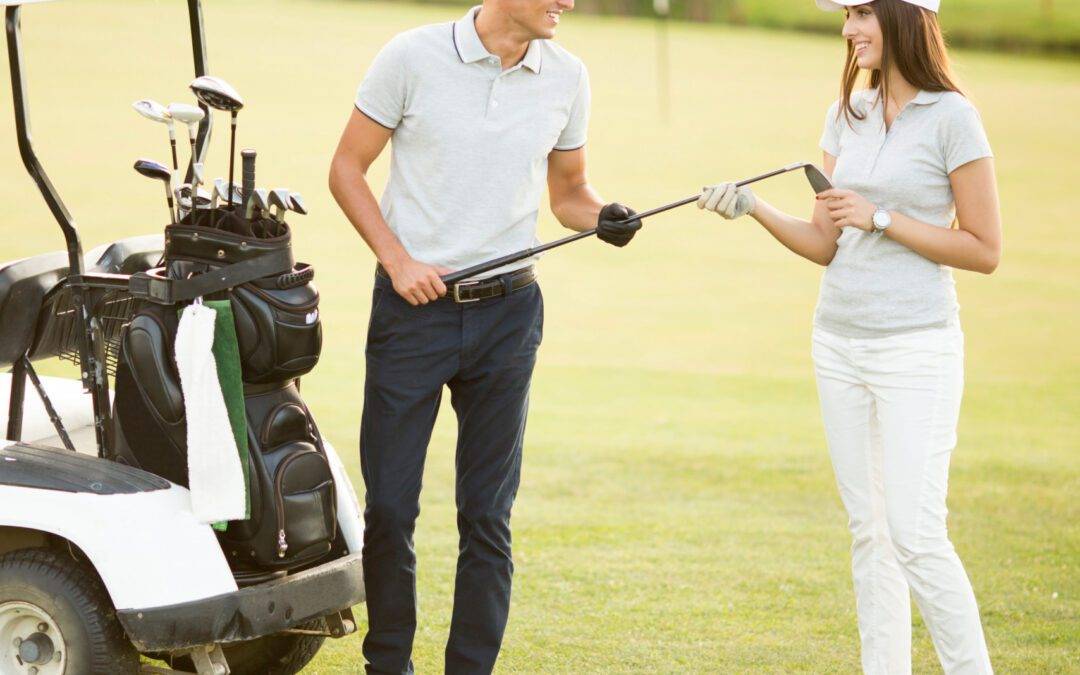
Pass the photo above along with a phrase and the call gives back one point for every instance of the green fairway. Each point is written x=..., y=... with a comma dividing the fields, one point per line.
x=677, y=511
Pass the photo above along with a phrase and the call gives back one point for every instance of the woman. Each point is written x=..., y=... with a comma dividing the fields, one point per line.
x=906, y=155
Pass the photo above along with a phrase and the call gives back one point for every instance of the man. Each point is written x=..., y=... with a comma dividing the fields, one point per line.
x=480, y=111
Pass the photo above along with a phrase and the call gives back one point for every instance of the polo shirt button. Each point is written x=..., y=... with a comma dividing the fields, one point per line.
x=494, y=104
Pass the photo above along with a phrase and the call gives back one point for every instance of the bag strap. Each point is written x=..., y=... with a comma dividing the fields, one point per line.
x=153, y=286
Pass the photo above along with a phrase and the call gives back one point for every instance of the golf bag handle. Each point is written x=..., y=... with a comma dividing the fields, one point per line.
x=487, y=266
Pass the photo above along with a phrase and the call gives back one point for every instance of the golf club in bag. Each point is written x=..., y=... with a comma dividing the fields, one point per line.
x=813, y=174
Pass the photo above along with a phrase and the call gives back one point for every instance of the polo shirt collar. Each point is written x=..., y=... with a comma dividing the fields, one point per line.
x=470, y=49
x=927, y=97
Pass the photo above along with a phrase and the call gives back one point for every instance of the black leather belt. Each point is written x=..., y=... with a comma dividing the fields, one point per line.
x=482, y=289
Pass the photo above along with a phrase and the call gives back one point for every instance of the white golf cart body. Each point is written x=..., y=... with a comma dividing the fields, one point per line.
x=165, y=572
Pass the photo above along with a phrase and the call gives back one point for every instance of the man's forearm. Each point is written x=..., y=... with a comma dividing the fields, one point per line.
x=348, y=184
x=579, y=209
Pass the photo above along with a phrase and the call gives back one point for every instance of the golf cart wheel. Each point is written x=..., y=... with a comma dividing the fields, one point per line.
x=281, y=654
x=56, y=618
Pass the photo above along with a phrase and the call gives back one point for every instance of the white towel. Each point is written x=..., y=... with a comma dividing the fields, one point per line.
x=215, y=477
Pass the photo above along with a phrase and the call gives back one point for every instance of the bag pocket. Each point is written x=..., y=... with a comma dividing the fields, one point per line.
x=306, y=506
x=278, y=329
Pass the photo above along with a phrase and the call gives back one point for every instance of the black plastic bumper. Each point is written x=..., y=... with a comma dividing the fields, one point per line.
x=250, y=612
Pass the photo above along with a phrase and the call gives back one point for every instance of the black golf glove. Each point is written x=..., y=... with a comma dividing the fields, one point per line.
x=610, y=230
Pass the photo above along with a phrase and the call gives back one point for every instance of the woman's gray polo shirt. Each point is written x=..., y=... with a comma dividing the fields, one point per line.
x=469, y=152
x=875, y=286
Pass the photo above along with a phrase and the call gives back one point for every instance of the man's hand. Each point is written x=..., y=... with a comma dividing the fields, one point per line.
x=610, y=230
x=417, y=282
x=727, y=200
x=849, y=209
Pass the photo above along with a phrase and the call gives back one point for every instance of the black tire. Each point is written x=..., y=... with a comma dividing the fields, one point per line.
x=73, y=596
x=281, y=654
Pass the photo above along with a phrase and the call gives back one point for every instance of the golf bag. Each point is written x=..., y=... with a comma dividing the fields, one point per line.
x=293, y=521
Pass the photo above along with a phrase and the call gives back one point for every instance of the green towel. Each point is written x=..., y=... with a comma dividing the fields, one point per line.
x=227, y=359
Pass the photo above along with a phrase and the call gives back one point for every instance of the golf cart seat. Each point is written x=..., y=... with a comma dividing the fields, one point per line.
x=23, y=287
x=28, y=285
x=127, y=256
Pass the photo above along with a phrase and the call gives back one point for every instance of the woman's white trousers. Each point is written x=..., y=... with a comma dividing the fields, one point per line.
x=890, y=407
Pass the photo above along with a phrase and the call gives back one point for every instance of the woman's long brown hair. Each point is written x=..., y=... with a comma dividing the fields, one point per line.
x=913, y=44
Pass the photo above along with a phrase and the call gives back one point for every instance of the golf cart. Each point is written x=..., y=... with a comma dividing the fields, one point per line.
x=101, y=557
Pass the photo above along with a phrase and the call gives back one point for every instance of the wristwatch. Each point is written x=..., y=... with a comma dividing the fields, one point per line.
x=882, y=220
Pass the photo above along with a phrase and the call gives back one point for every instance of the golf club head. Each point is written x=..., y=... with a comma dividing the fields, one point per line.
x=152, y=169
x=279, y=198
x=296, y=203
x=221, y=189
x=817, y=179
x=216, y=93
x=184, y=192
x=152, y=110
x=188, y=114
x=261, y=199
x=258, y=203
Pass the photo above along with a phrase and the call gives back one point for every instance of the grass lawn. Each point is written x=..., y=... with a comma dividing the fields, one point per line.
x=677, y=511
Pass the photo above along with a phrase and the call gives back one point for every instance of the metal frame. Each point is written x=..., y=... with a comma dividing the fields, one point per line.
x=87, y=289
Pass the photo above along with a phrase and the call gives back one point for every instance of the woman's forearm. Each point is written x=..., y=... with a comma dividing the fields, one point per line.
x=800, y=236
x=957, y=248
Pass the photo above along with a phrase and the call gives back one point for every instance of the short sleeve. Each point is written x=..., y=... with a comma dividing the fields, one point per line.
x=963, y=137
x=382, y=93
x=576, y=131
x=830, y=136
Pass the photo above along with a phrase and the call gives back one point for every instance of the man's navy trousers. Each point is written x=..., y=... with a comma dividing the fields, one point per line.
x=484, y=352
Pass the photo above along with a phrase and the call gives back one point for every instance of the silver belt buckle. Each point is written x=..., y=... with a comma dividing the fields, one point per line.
x=457, y=291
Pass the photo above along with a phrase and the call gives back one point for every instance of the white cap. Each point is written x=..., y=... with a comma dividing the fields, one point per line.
x=835, y=5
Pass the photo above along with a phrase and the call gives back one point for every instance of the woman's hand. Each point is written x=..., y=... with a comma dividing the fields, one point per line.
x=727, y=200
x=849, y=209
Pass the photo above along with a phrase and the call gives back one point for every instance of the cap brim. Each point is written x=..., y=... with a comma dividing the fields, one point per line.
x=837, y=5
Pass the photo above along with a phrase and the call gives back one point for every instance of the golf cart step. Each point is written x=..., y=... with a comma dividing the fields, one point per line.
x=36, y=466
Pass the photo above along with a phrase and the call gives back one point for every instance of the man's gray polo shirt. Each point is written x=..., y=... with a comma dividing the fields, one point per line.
x=470, y=147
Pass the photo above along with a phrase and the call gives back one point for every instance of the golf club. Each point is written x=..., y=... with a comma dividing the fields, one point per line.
x=247, y=159
x=197, y=177
x=152, y=169
x=296, y=203
x=190, y=115
x=257, y=203
x=817, y=180
x=279, y=199
x=152, y=110
x=218, y=94
x=183, y=199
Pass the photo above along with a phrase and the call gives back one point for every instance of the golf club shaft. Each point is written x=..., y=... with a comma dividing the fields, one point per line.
x=489, y=265
x=232, y=152
x=169, y=199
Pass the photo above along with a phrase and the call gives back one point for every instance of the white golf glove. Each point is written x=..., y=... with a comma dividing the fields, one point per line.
x=727, y=200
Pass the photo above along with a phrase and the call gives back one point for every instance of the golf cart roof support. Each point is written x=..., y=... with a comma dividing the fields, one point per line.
x=94, y=376
x=26, y=146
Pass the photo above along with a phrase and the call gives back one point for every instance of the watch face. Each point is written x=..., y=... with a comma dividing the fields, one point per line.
x=882, y=220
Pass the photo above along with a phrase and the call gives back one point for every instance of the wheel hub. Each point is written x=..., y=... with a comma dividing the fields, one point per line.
x=30, y=641
x=36, y=649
